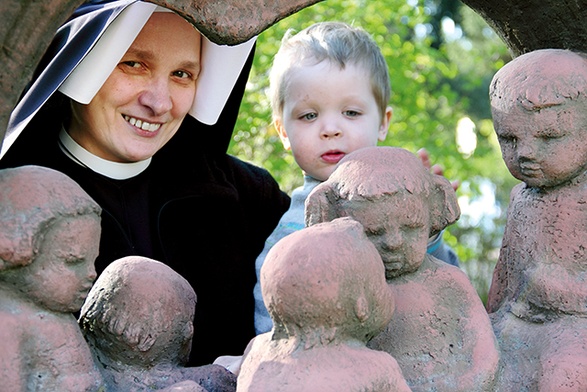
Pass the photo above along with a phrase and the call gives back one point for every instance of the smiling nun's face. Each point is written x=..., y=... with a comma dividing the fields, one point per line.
x=146, y=97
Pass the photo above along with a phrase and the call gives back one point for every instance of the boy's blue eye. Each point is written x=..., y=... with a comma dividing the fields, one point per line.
x=351, y=113
x=310, y=116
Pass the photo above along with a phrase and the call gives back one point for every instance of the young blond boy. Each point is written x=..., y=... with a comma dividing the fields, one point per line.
x=329, y=91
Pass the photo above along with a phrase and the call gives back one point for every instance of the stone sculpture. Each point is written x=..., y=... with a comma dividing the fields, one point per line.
x=538, y=297
x=49, y=231
x=138, y=321
x=328, y=289
x=325, y=290
x=440, y=333
x=49, y=237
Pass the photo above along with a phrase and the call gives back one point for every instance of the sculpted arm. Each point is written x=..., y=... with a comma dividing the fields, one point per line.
x=498, y=288
x=11, y=355
x=480, y=342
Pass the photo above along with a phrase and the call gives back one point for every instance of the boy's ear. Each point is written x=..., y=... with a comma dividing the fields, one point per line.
x=282, y=134
x=385, y=123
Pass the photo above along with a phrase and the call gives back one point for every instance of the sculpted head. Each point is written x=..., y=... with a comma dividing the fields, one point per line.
x=326, y=284
x=140, y=312
x=397, y=200
x=538, y=104
x=49, y=237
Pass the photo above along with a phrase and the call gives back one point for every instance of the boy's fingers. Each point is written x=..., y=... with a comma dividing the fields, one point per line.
x=437, y=169
x=424, y=157
x=455, y=184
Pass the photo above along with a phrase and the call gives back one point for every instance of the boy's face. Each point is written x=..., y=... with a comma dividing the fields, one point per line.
x=545, y=147
x=62, y=274
x=398, y=226
x=328, y=113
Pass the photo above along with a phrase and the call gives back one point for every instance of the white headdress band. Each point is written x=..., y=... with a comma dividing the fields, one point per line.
x=221, y=64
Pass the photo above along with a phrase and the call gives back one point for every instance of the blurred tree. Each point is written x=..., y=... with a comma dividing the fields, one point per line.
x=441, y=57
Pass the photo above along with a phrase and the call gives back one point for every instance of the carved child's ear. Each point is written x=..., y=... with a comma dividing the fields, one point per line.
x=17, y=249
x=444, y=206
x=321, y=205
x=146, y=342
x=6, y=252
x=362, y=310
x=278, y=331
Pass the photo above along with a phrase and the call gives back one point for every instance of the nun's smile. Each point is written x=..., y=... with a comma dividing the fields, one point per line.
x=148, y=94
x=145, y=126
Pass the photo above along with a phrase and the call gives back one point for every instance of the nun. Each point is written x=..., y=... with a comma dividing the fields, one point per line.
x=137, y=107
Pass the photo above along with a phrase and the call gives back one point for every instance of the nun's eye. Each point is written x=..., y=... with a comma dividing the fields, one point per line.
x=182, y=74
x=132, y=64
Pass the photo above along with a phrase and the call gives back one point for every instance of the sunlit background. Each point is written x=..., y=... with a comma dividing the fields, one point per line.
x=441, y=57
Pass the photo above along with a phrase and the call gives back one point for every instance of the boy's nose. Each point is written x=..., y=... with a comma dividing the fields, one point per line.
x=156, y=96
x=330, y=131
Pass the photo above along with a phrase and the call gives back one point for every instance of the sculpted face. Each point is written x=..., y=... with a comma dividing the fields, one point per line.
x=544, y=148
x=63, y=272
x=147, y=96
x=398, y=226
x=539, y=112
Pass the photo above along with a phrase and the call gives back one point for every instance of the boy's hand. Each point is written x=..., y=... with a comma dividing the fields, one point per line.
x=233, y=363
x=436, y=169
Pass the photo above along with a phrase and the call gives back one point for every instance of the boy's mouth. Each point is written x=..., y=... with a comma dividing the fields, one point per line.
x=332, y=156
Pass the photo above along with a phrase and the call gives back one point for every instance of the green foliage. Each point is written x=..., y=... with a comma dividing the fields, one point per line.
x=436, y=81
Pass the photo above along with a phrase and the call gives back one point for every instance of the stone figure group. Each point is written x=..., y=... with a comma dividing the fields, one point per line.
x=356, y=302
x=136, y=319
x=440, y=324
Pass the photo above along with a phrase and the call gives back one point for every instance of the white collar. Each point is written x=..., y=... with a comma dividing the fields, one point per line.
x=114, y=170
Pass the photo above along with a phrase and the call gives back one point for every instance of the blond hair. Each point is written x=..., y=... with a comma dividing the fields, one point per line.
x=336, y=42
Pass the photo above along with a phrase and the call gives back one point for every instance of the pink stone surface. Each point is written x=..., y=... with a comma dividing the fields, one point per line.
x=234, y=21
x=538, y=299
x=138, y=321
x=49, y=238
x=440, y=333
x=49, y=233
x=325, y=290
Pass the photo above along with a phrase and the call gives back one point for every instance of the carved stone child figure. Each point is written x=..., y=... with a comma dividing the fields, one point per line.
x=538, y=296
x=440, y=333
x=49, y=236
x=138, y=321
x=325, y=290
